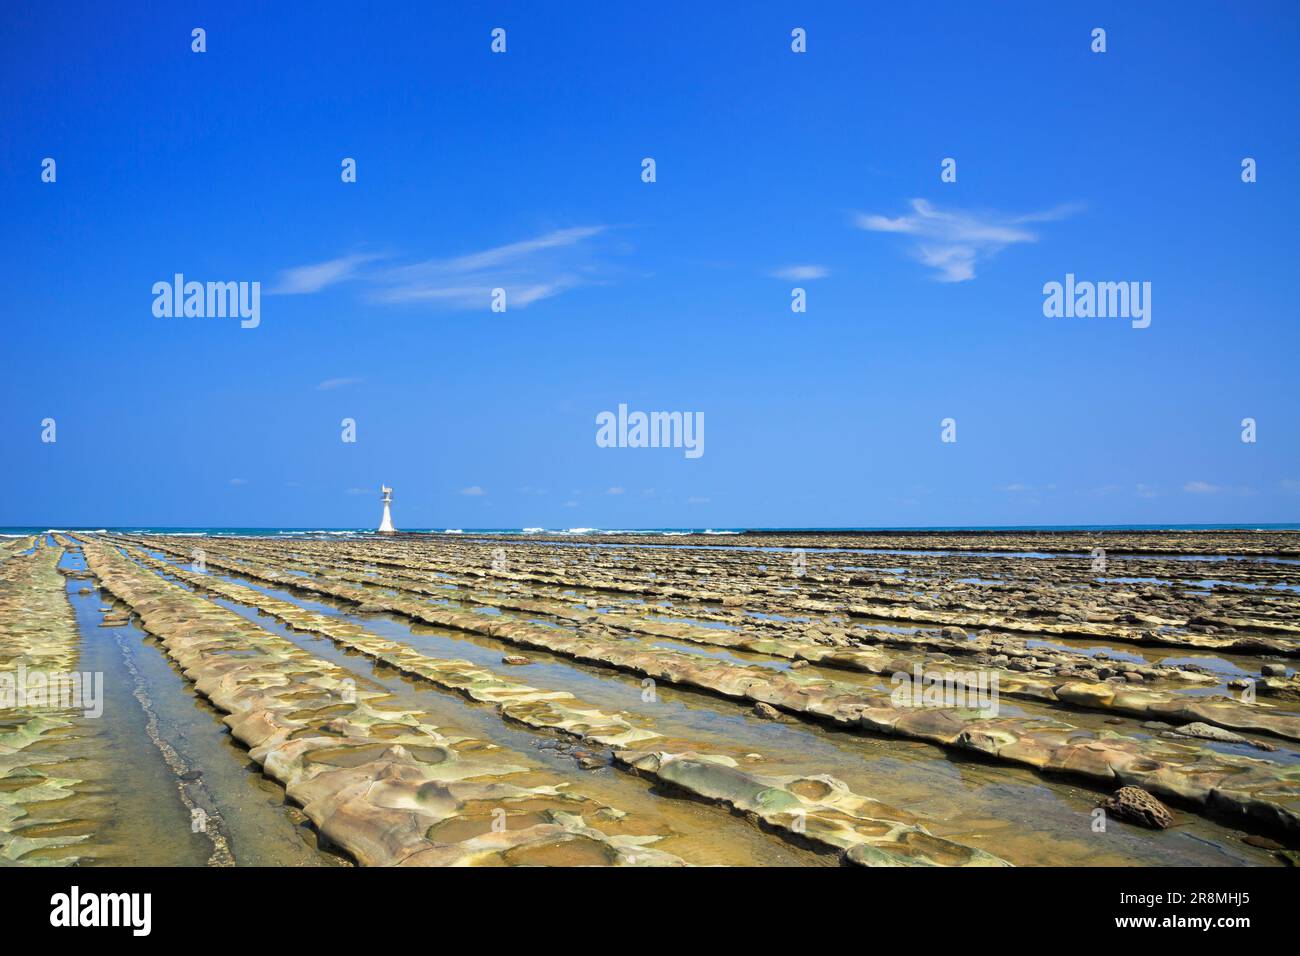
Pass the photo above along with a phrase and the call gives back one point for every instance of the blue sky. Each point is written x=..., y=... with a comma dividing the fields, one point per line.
x=523, y=170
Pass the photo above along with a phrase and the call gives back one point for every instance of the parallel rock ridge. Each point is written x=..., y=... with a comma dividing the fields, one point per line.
x=1254, y=791
x=800, y=808
x=44, y=816
x=433, y=699
x=381, y=783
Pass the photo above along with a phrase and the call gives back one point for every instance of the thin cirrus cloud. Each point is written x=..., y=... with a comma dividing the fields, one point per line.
x=304, y=280
x=953, y=242
x=801, y=273
x=332, y=383
x=529, y=270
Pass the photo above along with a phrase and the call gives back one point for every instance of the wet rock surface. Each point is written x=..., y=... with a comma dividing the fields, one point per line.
x=1267, y=793
x=1158, y=669
x=48, y=810
x=382, y=784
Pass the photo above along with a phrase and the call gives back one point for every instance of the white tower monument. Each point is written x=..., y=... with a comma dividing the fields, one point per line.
x=387, y=523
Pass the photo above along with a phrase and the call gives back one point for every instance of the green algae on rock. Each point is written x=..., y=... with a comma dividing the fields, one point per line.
x=41, y=741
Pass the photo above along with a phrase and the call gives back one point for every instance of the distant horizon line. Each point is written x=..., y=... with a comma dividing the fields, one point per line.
x=747, y=529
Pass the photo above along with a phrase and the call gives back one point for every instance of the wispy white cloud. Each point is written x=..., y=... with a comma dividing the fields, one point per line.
x=511, y=252
x=473, y=491
x=529, y=271
x=801, y=273
x=239, y=481
x=616, y=490
x=333, y=383
x=952, y=242
x=304, y=280
x=469, y=295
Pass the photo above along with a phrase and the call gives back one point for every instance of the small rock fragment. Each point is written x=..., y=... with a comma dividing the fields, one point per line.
x=1137, y=806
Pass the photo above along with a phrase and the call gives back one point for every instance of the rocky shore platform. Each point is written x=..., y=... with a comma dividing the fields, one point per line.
x=795, y=698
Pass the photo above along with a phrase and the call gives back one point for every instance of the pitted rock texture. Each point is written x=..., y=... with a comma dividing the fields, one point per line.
x=1137, y=806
